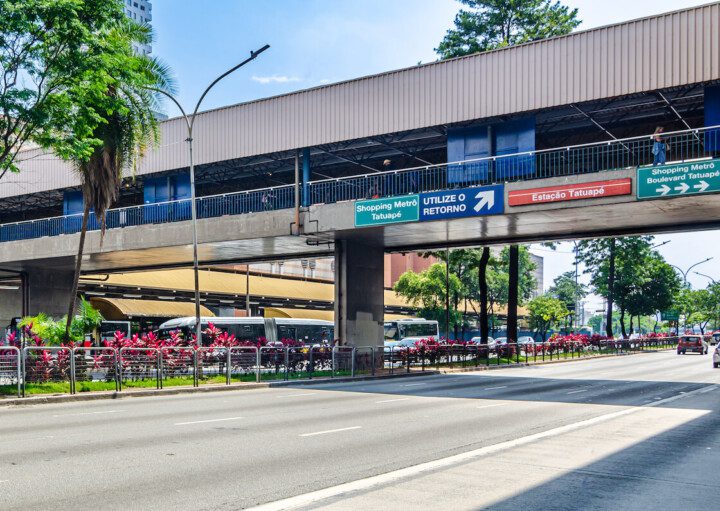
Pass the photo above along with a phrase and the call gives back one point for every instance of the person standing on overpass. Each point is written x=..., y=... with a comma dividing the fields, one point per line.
x=660, y=147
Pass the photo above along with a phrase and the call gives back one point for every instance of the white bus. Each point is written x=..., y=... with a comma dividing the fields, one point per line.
x=309, y=331
x=411, y=329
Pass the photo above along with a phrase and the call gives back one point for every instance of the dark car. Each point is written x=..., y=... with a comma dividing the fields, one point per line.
x=715, y=338
x=693, y=343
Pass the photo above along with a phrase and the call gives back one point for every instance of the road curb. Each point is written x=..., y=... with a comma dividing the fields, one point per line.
x=95, y=396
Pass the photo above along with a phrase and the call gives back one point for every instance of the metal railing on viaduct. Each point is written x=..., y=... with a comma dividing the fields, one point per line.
x=564, y=161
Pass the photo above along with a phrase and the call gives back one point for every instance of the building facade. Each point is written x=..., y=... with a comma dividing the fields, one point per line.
x=141, y=12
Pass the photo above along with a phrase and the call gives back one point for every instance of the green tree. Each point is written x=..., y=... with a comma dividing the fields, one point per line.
x=491, y=24
x=613, y=265
x=567, y=290
x=699, y=306
x=427, y=291
x=546, y=311
x=50, y=74
x=651, y=288
x=128, y=123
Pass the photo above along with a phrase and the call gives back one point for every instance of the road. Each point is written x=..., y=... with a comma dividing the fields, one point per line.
x=633, y=432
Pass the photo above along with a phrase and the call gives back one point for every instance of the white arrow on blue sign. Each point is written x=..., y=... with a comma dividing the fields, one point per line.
x=463, y=202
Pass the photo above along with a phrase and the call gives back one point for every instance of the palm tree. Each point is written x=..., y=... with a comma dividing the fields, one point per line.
x=126, y=104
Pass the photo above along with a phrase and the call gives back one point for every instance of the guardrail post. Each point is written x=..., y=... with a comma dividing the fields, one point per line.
x=287, y=363
x=258, y=355
x=407, y=356
x=228, y=366
x=353, y=353
x=118, y=369
x=18, y=362
x=332, y=361
x=72, y=370
x=372, y=363
x=24, y=371
x=159, y=362
x=196, y=379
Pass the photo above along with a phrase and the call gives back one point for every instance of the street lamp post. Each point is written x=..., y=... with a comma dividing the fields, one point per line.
x=190, y=123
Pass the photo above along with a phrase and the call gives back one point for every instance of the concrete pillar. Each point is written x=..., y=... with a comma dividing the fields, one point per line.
x=359, y=293
x=49, y=291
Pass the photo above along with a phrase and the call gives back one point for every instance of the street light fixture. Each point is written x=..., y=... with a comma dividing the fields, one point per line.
x=707, y=277
x=684, y=273
x=190, y=123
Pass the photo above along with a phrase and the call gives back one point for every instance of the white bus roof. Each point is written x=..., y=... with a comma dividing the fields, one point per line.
x=218, y=320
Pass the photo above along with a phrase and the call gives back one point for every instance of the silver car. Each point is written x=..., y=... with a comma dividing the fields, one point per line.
x=478, y=340
x=716, y=357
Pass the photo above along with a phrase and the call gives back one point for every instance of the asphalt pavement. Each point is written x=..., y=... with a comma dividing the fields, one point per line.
x=632, y=432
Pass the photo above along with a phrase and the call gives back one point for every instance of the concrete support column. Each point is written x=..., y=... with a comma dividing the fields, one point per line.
x=49, y=291
x=359, y=293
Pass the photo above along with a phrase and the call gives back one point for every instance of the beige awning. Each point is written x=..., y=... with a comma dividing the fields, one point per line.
x=117, y=309
x=232, y=284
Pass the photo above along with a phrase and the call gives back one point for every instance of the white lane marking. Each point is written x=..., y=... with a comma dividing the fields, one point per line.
x=330, y=431
x=5, y=481
x=495, y=388
x=392, y=400
x=577, y=391
x=87, y=413
x=413, y=384
x=297, y=395
x=492, y=406
x=207, y=420
x=382, y=479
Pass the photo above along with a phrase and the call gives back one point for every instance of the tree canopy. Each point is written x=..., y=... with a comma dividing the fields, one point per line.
x=57, y=60
x=568, y=291
x=491, y=24
x=545, y=312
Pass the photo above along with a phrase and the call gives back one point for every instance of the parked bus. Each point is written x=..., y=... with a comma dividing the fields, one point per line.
x=411, y=328
x=309, y=331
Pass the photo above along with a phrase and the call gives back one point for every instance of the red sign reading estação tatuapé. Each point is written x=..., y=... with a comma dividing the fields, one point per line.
x=563, y=193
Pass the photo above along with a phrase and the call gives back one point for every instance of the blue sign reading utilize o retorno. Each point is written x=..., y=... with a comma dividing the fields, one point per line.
x=464, y=202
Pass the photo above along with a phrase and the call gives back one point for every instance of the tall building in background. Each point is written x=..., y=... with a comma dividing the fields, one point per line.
x=140, y=11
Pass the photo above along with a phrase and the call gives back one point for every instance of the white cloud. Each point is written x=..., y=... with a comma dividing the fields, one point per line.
x=275, y=79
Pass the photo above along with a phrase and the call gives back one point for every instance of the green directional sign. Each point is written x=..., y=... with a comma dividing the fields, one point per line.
x=387, y=211
x=670, y=315
x=678, y=179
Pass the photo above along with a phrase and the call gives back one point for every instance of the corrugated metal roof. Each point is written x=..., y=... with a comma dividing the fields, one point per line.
x=668, y=50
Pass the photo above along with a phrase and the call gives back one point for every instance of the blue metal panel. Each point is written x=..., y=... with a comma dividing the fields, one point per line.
x=467, y=144
x=72, y=202
x=515, y=137
x=712, y=117
x=180, y=185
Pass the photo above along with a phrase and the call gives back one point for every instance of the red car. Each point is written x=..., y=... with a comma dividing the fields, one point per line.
x=691, y=343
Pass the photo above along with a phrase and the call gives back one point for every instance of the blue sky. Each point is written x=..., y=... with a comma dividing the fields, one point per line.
x=314, y=42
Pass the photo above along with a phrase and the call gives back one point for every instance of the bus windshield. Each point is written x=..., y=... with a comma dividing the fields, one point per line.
x=418, y=329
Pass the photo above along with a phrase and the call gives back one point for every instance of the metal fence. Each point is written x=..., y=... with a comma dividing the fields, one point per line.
x=40, y=369
x=407, y=359
x=581, y=159
x=64, y=370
